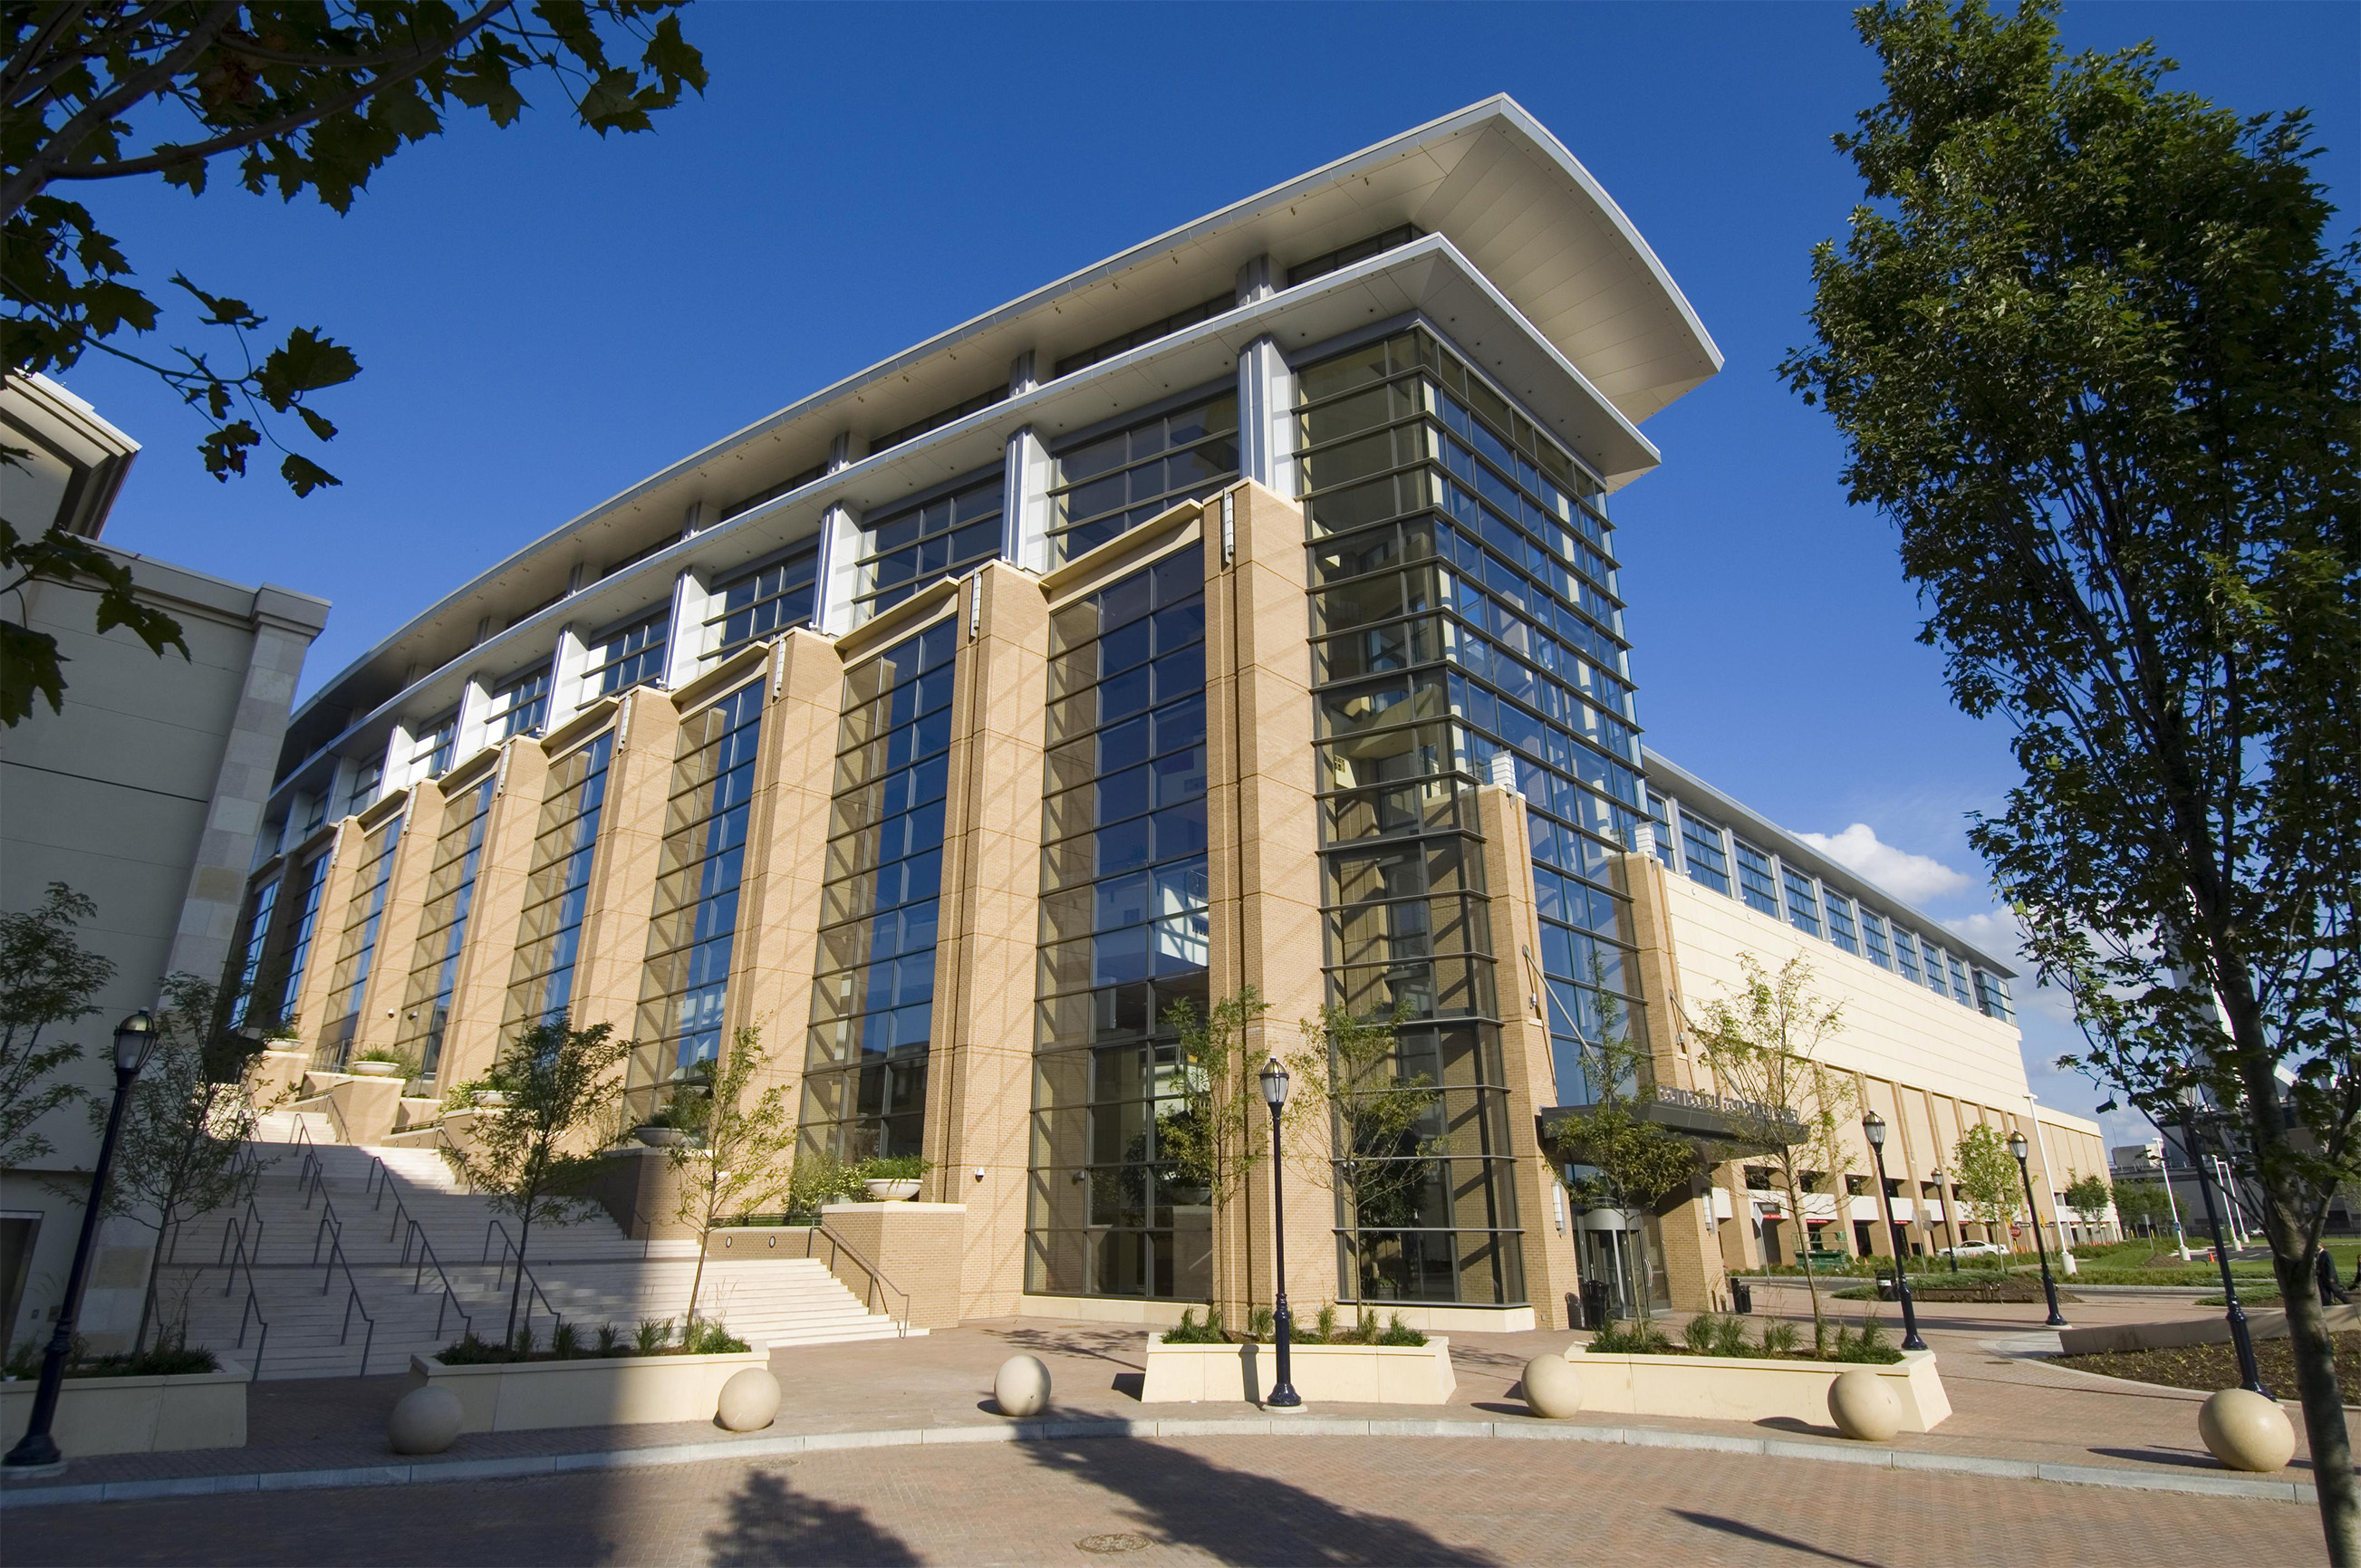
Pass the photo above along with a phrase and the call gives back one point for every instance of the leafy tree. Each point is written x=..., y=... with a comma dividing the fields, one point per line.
x=529, y=1159
x=1761, y=1043
x=47, y=981
x=1381, y=1157
x=2138, y=1203
x=738, y=1151
x=2090, y=1194
x=304, y=96
x=1219, y=1138
x=2092, y=351
x=1988, y=1178
x=180, y=1153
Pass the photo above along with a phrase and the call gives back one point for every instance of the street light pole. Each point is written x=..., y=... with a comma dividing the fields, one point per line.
x=1874, y=1125
x=1282, y=1396
x=2250, y=1374
x=2164, y=1167
x=35, y=1452
x=1943, y=1191
x=2017, y=1146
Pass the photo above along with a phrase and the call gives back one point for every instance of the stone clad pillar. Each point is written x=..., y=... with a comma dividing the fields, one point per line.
x=479, y=993
x=614, y=946
x=1695, y=1271
x=397, y=928
x=1528, y=1070
x=1264, y=862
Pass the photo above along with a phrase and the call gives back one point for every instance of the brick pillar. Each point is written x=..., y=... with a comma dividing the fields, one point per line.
x=622, y=883
x=1695, y=1272
x=1528, y=1070
x=479, y=994
x=1264, y=864
x=397, y=926
x=979, y=1075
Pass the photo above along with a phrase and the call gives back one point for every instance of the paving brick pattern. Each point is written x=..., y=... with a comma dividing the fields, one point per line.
x=1236, y=1501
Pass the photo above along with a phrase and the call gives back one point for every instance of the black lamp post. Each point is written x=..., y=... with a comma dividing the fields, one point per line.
x=1950, y=1229
x=1282, y=1396
x=1874, y=1125
x=37, y=1452
x=2017, y=1146
x=2250, y=1374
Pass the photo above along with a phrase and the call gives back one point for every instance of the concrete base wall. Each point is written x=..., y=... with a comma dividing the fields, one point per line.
x=136, y=1415
x=917, y=1247
x=1335, y=1374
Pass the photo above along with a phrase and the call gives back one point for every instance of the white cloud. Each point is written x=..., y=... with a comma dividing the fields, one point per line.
x=1997, y=931
x=1913, y=877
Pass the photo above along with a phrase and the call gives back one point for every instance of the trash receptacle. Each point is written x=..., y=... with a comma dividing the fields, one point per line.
x=1742, y=1295
x=1887, y=1289
x=1595, y=1308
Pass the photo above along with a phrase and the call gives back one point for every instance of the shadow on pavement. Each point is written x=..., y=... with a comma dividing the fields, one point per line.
x=1098, y=1345
x=1766, y=1537
x=1240, y=1516
x=2190, y=1459
x=769, y=1523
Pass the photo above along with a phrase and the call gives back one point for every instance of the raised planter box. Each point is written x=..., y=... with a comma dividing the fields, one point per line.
x=134, y=1415
x=1327, y=1374
x=1743, y=1388
x=607, y=1391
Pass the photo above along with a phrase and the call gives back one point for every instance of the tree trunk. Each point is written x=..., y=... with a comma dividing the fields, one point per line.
x=1640, y=1291
x=516, y=1289
x=1804, y=1257
x=2323, y=1411
x=703, y=1234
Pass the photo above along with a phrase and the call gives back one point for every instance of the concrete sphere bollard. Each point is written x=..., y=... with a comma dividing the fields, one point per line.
x=2247, y=1432
x=1021, y=1386
x=425, y=1421
x=1552, y=1388
x=1863, y=1408
x=749, y=1401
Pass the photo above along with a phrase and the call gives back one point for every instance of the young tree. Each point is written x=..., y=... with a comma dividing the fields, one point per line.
x=2089, y=1195
x=1762, y=1043
x=304, y=96
x=185, y=1125
x=2137, y=1204
x=1221, y=1136
x=738, y=1154
x=47, y=981
x=1988, y=1178
x=529, y=1159
x=1381, y=1159
x=2092, y=350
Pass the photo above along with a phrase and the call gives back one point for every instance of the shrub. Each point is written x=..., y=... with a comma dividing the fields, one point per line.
x=1779, y=1339
x=894, y=1168
x=1398, y=1332
x=707, y=1338
x=471, y=1351
x=1189, y=1330
x=1869, y=1345
x=1323, y=1327
x=1260, y=1324
x=608, y=1334
x=565, y=1342
x=654, y=1335
x=1640, y=1339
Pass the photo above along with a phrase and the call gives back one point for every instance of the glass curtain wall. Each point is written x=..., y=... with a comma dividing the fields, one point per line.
x=762, y=603
x=521, y=707
x=442, y=925
x=355, y=953
x=1112, y=483
x=259, y=902
x=1124, y=936
x=872, y=995
x=629, y=655
x=295, y=930
x=558, y=888
x=905, y=549
x=1465, y=605
x=698, y=869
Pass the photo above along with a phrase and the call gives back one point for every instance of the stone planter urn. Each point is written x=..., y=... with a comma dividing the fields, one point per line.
x=891, y=1189
x=491, y=1099
x=659, y=1137
x=374, y=1069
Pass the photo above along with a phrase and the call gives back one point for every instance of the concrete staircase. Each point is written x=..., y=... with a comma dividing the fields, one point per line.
x=589, y=1272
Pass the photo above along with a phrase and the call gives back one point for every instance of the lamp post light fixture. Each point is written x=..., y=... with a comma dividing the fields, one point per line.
x=1950, y=1229
x=2250, y=1374
x=35, y=1452
x=1282, y=1396
x=1873, y=1126
x=2017, y=1146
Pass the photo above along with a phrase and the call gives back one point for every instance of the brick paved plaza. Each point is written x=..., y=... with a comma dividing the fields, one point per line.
x=1275, y=1500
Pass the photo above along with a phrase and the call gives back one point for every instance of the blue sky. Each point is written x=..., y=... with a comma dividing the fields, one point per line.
x=545, y=318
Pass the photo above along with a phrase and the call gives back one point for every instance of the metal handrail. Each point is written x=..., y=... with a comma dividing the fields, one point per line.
x=252, y=1311
x=246, y=1163
x=876, y=1276
x=380, y=1181
x=250, y=1219
x=331, y=1230
x=508, y=1248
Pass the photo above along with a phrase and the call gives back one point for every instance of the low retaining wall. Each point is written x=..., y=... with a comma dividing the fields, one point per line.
x=1745, y=1388
x=1331, y=1374
x=2266, y=1322
x=134, y=1415
x=606, y=1392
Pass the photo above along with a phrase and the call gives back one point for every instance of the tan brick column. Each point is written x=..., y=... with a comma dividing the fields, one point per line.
x=1696, y=1271
x=397, y=925
x=979, y=1074
x=479, y=990
x=1527, y=1068
x=309, y=1005
x=787, y=846
x=623, y=884
x=1264, y=861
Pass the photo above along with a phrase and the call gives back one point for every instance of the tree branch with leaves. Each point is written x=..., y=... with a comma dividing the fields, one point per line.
x=1380, y=1154
x=738, y=1155
x=47, y=981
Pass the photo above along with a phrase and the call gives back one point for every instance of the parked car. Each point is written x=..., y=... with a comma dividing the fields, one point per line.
x=1974, y=1249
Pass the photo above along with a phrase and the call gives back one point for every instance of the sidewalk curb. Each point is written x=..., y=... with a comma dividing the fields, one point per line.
x=444, y=1471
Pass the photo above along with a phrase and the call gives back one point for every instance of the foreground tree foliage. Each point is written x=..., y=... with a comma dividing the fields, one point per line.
x=47, y=981
x=302, y=96
x=739, y=1150
x=2091, y=349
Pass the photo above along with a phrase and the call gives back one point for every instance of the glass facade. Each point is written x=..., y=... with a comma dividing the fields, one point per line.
x=443, y=925
x=298, y=926
x=259, y=902
x=1803, y=901
x=872, y=997
x=521, y=706
x=761, y=603
x=1465, y=605
x=1123, y=937
x=1111, y=483
x=701, y=863
x=1701, y=852
x=429, y=754
x=629, y=656
x=558, y=888
x=905, y=549
x=358, y=950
